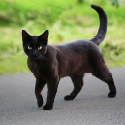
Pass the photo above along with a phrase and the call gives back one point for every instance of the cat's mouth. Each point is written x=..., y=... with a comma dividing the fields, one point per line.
x=36, y=57
x=33, y=57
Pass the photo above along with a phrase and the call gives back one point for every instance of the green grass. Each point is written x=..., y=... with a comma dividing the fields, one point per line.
x=66, y=21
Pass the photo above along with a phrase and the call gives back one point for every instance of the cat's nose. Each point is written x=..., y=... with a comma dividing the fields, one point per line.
x=34, y=52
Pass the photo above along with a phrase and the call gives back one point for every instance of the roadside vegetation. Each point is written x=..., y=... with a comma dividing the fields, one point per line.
x=66, y=21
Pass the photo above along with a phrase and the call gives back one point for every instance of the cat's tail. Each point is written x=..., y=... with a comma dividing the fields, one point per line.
x=103, y=25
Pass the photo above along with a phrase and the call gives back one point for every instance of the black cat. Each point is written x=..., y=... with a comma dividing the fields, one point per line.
x=50, y=63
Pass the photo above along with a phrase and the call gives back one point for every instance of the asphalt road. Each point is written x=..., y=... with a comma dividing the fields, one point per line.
x=91, y=107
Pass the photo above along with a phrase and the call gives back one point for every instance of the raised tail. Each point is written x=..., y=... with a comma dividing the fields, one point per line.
x=103, y=25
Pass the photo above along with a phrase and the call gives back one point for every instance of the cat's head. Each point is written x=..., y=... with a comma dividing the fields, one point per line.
x=35, y=47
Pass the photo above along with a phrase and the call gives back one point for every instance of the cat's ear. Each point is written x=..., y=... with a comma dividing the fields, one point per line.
x=25, y=35
x=45, y=35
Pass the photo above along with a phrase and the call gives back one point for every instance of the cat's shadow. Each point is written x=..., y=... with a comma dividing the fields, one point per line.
x=80, y=103
x=61, y=104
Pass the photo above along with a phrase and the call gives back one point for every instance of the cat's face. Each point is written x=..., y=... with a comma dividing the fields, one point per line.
x=35, y=46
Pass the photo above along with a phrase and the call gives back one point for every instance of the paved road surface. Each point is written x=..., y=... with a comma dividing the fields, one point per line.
x=91, y=107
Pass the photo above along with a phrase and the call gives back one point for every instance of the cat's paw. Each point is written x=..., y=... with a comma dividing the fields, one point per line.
x=68, y=98
x=112, y=94
x=47, y=107
x=40, y=103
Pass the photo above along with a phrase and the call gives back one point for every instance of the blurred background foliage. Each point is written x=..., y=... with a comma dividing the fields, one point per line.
x=66, y=21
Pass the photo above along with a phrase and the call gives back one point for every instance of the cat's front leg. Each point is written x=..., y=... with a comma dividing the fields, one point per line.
x=38, y=88
x=52, y=89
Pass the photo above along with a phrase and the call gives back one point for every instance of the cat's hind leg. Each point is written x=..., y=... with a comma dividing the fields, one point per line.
x=78, y=83
x=103, y=74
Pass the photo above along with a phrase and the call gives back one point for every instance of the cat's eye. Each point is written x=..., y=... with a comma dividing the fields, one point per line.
x=40, y=47
x=29, y=47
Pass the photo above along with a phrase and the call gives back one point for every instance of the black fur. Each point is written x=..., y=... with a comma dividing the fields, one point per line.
x=51, y=63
